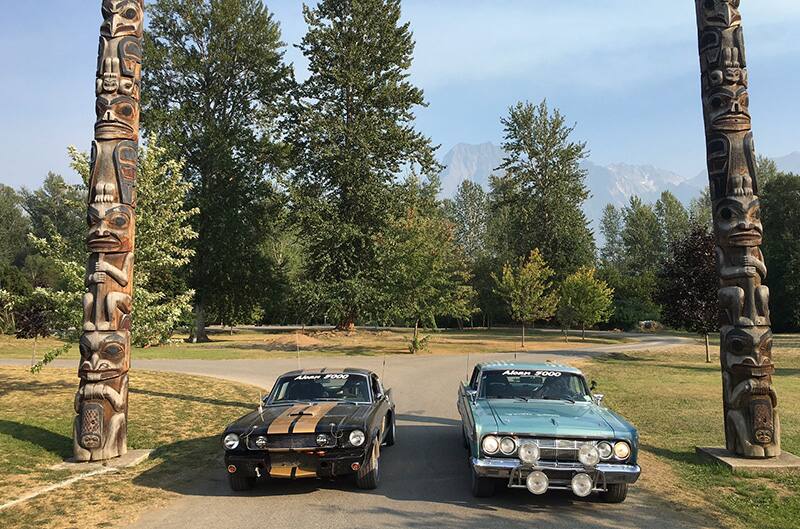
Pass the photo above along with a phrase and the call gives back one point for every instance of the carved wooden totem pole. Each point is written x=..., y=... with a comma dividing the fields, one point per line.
x=101, y=404
x=752, y=428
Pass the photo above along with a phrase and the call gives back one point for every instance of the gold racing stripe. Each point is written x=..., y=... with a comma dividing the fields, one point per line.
x=308, y=423
x=284, y=421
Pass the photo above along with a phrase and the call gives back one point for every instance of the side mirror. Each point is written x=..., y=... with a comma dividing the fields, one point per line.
x=593, y=385
x=472, y=395
x=598, y=398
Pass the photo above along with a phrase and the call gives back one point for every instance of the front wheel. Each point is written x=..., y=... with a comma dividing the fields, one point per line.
x=482, y=487
x=391, y=435
x=240, y=483
x=368, y=475
x=616, y=493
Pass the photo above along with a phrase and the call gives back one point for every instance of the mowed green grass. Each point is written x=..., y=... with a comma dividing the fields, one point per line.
x=250, y=344
x=674, y=398
x=180, y=416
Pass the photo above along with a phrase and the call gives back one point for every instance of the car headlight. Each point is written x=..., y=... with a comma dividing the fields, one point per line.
x=230, y=441
x=529, y=453
x=605, y=449
x=622, y=450
x=508, y=446
x=490, y=445
x=588, y=455
x=357, y=438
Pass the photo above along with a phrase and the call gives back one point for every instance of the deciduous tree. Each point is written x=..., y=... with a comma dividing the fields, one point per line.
x=585, y=300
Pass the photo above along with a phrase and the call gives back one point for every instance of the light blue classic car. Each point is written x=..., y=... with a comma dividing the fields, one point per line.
x=538, y=426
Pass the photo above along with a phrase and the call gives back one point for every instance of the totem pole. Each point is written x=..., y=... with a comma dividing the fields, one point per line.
x=752, y=428
x=101, y=404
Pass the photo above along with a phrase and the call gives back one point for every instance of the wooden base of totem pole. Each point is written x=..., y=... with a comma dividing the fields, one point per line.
x=784, y=463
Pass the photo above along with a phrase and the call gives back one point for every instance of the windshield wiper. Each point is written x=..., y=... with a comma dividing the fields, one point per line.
x=567, y=399
x=523, y=399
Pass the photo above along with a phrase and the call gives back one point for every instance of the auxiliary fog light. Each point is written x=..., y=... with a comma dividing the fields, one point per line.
x=537, y=482
x=582, y=485
x=322, y=439
x=261, y=442
x=588, y=455
x=529, y=453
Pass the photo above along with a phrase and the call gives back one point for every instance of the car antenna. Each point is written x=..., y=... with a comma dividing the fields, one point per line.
x=383, y=374
x=297, y=347
x=467, y=373
x=260, y=406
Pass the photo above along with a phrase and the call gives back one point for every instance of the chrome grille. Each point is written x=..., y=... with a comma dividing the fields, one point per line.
x=564, y=450
x=287, y=441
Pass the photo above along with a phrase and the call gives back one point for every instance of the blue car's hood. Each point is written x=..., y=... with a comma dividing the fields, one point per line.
x=551, y=419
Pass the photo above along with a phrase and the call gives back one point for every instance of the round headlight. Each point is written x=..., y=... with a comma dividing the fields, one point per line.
x=230, y=441
x=322, y=439
x=582, y=485
x=490, y=444
x=529, y=453
x=508, y=446
x=605, y=449
x=357, y=438
x=622, y=450
x=588, y=455
x=261, y=442
x=537, y=482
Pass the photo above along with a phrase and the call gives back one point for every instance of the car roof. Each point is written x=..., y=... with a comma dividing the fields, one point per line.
x=528, y=366
x=349, y=370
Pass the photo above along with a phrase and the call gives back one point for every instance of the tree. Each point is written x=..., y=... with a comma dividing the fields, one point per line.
x=353, y=132
x=214, y=86
x=528, y=290
x=13, y=226
x=700, y=210
x=611, y=225
x=427, y=273
x=673, y=218
x=688, y=284
x=766, y=169
x=780, y=199
x=469, y=213
x=539, y=196
x=641, y=237
x=585, y=300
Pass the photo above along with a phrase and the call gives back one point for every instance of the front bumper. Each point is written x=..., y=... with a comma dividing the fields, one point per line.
x=558, y=474
x=305, y=464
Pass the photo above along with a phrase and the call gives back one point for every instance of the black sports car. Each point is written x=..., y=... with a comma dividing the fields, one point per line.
x=323, y=423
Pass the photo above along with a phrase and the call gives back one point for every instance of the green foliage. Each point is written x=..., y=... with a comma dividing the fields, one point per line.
x=537, y=202
x=213, y=89
x=528, y=289
x=673, y=219
x=417, y=343
x=642, y=237
x=585, y=300
x=353, y=132
x=634, y=296
x=469, y=212
x=13, y=226
x=611, y=225
x=49, y=357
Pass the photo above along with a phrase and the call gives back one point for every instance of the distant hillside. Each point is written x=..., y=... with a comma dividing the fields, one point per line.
x=469, y=162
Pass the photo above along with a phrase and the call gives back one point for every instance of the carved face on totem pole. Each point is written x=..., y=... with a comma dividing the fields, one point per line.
x=111, y=228
x=720, y=13
x=747, y=352
x=104, y=355
x=119, y=66
x=117, y=118
x=728, y=108
x=122, y=18
x=738, y=222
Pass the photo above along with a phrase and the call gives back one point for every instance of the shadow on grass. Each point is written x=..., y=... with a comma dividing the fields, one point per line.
x=194, y=398
x=30, y=384
x=55, y=443
x=684, y=457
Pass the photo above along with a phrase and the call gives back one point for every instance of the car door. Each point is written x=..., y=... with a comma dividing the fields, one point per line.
x=465, y=404
x=381, y=405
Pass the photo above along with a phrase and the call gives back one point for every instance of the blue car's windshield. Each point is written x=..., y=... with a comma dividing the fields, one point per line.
x=524, y=384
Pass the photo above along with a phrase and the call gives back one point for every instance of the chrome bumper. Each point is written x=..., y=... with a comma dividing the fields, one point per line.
x=516, y=471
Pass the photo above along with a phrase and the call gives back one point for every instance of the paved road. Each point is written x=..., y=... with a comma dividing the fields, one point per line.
x=425, y=478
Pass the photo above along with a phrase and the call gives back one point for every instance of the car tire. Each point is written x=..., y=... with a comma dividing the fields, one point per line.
x=482, y=487
x=391, y=434
x=368, y=475
x=616, y=493
x=240, y=483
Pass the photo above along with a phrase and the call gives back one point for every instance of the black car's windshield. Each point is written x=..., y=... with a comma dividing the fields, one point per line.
x=525, y=385
x=347, y=387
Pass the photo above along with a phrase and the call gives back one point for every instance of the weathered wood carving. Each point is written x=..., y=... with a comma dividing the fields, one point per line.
x=752, y=427
x=101, y=403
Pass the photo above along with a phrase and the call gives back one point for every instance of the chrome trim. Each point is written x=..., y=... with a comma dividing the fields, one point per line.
x=603, y=473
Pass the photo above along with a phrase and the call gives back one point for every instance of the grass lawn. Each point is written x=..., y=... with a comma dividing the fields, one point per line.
x=674, y=398
x=181, y=416
x=256, y=343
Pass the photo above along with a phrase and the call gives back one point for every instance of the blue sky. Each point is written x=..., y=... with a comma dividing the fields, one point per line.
x=625, y=70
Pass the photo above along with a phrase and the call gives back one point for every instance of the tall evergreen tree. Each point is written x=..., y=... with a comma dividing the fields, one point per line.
x=213, y=89
x=642, y=237
x=540, y=195
x=611, y=225
x=353, y=133
x=469, y=212
x=673, y=219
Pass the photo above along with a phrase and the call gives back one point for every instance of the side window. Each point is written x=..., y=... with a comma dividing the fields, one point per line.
x=377, y=390
x=473, y=381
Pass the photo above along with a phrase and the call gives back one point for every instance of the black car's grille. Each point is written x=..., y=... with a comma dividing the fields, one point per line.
x=289, y=441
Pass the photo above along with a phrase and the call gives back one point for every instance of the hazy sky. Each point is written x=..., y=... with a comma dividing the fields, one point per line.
x=625, y=70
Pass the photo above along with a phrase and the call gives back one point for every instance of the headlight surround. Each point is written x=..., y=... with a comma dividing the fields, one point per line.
x=490, y=445
x=357, y=438
x=605, y=449
x=529, y=453
x=588, y=455
x=508, y=446
x=622, y=450
x=230, y=441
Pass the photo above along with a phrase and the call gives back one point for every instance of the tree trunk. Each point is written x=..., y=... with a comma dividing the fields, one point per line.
x=523, y=336
x=33, y=355
x=347, y=324
x=198, y=333
x=416, y=335
x=708, y=351
x=583, y=333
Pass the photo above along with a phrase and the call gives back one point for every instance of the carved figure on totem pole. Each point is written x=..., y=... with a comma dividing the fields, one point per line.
x=752, y=426
x=101, y=403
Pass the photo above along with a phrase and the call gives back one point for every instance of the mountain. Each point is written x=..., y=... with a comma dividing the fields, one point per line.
x=469, y=162
x=789, y=163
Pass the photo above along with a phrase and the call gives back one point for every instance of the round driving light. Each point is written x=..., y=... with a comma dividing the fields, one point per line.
x=529, y=453
x=582, y=485
x=322, y=439
x=490, y=444
x=537, y=482
x=622, y=450
x=508, y=446
x=588, y=455
x=230, y=441
x=605, y=449
x=261, y=442
x=357, y=438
